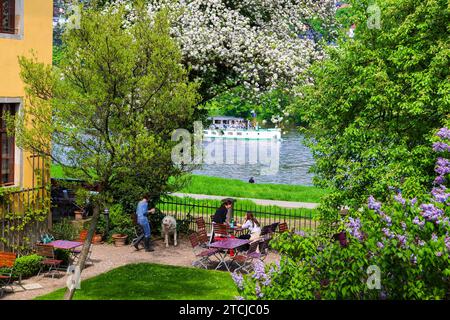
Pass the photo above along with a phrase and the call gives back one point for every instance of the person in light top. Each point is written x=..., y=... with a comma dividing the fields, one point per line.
x=252, y=225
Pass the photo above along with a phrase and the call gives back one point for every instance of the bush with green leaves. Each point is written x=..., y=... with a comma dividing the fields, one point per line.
x=27, y=266
x=404, y=241
x=64, y=230
x=376, y=100
x=120, y=222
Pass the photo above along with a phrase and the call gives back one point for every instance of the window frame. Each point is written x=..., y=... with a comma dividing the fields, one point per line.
x=12, y=17
x=12, y=147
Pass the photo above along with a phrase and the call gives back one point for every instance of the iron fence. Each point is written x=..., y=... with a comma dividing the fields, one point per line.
x=188, y=208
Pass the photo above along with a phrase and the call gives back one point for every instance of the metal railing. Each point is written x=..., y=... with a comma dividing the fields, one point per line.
x=181, y=208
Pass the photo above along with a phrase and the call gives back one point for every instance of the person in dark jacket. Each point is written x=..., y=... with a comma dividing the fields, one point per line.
x=221, y=214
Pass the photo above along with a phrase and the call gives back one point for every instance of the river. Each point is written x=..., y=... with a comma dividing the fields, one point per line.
x=283, y=162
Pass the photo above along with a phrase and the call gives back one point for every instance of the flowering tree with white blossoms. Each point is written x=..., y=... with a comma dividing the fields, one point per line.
x=260, y=44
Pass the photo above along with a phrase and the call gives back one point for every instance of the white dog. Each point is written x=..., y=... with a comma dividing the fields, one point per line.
x=169, y=226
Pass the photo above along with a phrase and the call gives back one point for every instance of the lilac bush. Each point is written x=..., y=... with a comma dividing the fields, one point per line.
x=407, y=239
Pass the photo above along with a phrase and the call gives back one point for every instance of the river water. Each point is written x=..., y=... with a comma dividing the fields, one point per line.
x=282, y=162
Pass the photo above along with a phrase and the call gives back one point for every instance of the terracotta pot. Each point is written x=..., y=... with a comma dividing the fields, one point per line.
x=78, y=215
x=97, y=239
x=119, y=239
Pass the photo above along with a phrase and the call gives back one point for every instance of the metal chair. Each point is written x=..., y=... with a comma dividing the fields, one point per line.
x=7, y=261
x=203, y=255
x=48, y=252
x=245, y=261
x=283, y=227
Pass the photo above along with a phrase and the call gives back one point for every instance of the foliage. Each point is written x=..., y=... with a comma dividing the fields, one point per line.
x=27, y=266
x=261, y=45
x=408, y=240
x=64, y=230
x=146, y=281
x=120, y=222
x=155, y=220
x=376, y=101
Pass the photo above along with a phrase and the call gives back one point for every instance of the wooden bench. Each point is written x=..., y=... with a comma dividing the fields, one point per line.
x=7, y=261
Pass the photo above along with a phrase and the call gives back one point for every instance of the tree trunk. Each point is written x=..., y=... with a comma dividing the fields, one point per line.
x=84, y=252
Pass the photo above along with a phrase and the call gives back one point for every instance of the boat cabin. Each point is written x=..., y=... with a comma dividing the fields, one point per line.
x=224, y=122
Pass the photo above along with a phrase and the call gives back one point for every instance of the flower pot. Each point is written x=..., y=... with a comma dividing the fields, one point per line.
x=78, y=215
x=119, y=239
x=97, y=239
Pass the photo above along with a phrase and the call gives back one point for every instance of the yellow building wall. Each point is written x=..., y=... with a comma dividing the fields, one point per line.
x=37, y=36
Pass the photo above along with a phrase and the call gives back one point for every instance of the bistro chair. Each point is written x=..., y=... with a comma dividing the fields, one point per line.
x=7, y=261
x=245, y=261
x=283, y=227
x=202, y=255
x=48, y=252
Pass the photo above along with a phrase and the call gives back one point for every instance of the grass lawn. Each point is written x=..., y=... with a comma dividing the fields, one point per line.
x=145, y=281
x=237, y=188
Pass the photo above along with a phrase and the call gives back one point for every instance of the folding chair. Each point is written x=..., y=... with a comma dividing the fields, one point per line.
x=283, y=227
x=203, y=255
x=7, y=260
x=245, y=261
x=48, y=252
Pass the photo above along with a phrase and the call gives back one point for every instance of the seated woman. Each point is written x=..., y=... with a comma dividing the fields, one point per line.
x=253, y=226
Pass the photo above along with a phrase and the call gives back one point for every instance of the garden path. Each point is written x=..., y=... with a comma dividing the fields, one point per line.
x=107, y=257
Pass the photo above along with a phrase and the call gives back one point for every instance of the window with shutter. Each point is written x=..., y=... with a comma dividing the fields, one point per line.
x=7, y=146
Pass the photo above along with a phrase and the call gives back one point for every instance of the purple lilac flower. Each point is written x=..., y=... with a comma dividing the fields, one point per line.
x=430, y=212
x=444, y=133
x=258, y=267
x=383, y=295
x=400, y=199
x=380, y=245
x=373, y=204
x=239, y=298
x=413, y=259
x=413, y=201
x=402, y=240
x=421, y=243
x=418, y=222
x=442, y=166
x=300, y=233
x=438, y=253
x=355, y=226
x=403, y=224
x=258, y=292
x=387, y=233
x=434, y=237
x=439, y=194
x=447, y=242
x=238, y=280
x=439, y=180
x=440, y=147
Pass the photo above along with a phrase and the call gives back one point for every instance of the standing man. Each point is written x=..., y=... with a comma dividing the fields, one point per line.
x=142, y=219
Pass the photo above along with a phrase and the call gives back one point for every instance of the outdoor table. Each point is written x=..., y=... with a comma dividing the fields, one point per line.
x=225, y=246
x=66, y=245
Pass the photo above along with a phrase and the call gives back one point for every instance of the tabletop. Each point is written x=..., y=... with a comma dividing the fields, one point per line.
x=65, y=244
x=230, y=243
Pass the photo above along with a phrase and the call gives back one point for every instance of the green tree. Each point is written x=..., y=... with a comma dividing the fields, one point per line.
x=376, y=101
x=110, y=107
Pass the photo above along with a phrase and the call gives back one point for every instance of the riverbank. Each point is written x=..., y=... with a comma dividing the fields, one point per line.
x=215, y=186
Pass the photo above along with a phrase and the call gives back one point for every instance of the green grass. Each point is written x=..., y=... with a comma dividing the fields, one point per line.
x=209, y=207
x=145, y=281
x=237, y=188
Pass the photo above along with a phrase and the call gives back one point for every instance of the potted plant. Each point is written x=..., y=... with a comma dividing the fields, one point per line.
x=119, y=237
x=121, y=225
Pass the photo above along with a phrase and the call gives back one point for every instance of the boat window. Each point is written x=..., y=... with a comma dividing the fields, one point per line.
x=213, y=132
x=217, y=121
x=205, y=132
x=239, y=133
x=230, y=133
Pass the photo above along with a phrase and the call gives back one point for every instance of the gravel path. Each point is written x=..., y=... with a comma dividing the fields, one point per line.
x=107, y=257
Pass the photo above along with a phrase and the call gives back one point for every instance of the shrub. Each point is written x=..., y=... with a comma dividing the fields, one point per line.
x=64, y=230
x=120, y=222
x=27, y=266
x=406, y=240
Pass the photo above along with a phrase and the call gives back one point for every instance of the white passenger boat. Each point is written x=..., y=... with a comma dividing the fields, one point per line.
x=239, y=128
